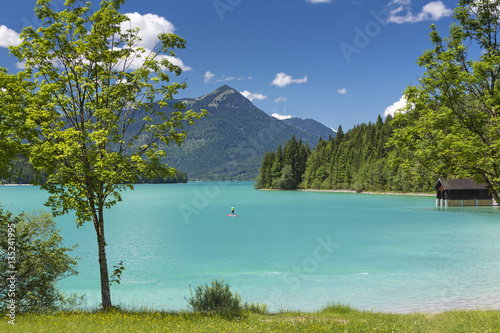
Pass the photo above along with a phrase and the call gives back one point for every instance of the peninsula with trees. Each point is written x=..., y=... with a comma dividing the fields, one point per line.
x=358, y=160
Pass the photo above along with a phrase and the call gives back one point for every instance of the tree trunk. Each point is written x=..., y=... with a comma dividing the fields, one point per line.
x=103, y=264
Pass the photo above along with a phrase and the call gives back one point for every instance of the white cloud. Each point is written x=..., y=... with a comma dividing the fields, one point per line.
x=282, y=80
x=138, y=62
x=435, y=10
x=281, y=99
x=392, y=109
x=252, y=96
x=432, y=11
x=8, y=37
x=280, y=117
x=342, y=91
x=150, y=25
x=175, y=61
x=208, y=76
x=319, y=1
x=230, y=78
x=135, y=63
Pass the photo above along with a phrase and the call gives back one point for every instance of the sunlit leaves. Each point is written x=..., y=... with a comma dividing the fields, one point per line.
x=452, y=127
x=86, y=99
x=90, y=102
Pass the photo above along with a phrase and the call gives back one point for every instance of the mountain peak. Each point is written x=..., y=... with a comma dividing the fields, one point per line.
x=224, y=95
x=224, y=88
x=230, y=142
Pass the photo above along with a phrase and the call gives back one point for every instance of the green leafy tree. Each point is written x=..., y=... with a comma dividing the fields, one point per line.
x=95, y=117
x=11, y=122
x=32, y=247
x=451, y=123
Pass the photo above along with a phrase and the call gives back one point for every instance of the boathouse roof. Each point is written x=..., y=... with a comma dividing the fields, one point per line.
x=459, y=184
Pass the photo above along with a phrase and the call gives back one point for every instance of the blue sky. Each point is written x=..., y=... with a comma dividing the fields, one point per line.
x=339, y=62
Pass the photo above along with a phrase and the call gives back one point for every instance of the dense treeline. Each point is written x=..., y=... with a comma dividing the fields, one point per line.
x=284, y=169
x=358, y=160
x=22, y=172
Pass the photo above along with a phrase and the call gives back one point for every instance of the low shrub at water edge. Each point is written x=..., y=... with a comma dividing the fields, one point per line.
x=337, y=308
x=219, y=299
x=256, y=308
x=215, y=299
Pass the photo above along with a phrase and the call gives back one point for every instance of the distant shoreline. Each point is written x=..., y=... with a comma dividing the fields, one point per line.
x=297, y=189
x=370, y=192
x=354, y=192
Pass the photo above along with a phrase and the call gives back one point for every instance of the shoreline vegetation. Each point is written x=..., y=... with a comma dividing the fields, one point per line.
x=277, y=189
x=331, y=318
x=23, y=173
x=359, y=160
x=422, y=194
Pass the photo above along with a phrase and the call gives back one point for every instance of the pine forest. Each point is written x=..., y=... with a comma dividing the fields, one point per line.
x=358, y=160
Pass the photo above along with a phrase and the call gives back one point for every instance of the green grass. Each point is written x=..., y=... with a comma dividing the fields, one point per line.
x=332, y=318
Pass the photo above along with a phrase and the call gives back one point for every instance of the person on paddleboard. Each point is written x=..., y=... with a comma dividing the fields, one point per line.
x=232, y=210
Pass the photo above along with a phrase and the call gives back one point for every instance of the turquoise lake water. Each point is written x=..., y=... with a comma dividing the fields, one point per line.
x=287, y=249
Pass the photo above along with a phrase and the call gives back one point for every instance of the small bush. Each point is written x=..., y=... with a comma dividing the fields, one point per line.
x=32, y=253
x=256, y=308
x=337, y=308
x=216, y=299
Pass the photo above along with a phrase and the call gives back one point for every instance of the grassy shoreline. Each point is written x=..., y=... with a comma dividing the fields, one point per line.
x=332, y=318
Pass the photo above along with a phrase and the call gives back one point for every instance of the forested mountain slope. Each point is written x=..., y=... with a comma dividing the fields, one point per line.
x=311, y=126
x=230, y=142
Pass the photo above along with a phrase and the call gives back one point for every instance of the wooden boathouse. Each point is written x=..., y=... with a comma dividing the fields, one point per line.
x=462, y=193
